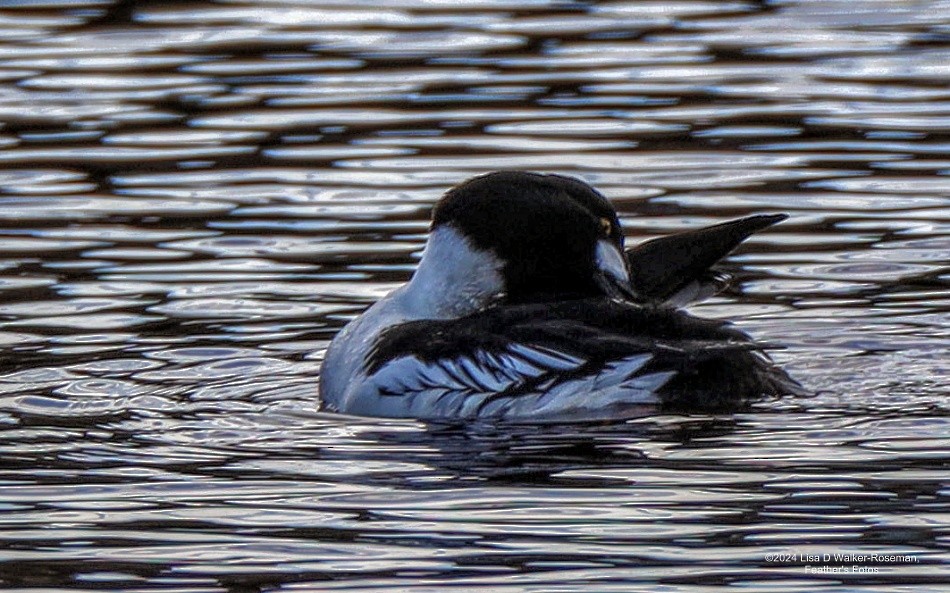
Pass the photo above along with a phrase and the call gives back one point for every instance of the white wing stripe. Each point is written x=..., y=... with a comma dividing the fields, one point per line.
x=618, y=371
x=466, y=385
x=546, y=357
x=615, y=383
x=651, y=382
x=517, y=368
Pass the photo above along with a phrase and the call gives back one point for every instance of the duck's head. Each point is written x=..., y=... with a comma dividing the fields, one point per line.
x=528, y=237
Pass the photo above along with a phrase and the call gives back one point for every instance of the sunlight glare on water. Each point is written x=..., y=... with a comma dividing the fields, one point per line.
x=196, y=196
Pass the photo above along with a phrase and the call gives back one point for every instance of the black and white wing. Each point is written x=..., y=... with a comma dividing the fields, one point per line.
x=564, y=360
x=517, y=380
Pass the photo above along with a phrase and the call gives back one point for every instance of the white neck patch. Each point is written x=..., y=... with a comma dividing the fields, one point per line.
x=453, y=279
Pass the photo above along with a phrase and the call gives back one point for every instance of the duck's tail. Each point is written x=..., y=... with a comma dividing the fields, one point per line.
x=676, y=269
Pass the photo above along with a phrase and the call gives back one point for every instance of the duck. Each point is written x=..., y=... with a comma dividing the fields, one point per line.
x=527, y=306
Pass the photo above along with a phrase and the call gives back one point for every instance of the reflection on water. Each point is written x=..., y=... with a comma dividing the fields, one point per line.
x=194, y=197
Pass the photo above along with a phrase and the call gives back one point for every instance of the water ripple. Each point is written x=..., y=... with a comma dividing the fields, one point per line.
x=195, y=198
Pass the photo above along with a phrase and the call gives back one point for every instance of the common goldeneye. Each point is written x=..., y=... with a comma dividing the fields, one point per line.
x=525, y=306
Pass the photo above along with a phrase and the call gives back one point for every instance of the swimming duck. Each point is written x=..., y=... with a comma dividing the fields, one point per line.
x=526, y=306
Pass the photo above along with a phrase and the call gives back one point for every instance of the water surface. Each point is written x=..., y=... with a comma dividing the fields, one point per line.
x=195, y=196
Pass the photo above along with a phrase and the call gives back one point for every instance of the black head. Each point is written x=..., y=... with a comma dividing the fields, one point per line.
x=545, y=228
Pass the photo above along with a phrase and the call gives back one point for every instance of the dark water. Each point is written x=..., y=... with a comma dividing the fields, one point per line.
x=194, y=197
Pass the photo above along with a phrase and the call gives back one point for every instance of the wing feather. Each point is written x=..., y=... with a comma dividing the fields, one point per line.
x=535, y=360
x=546, y=357
x=539, y=379
x=480, y=372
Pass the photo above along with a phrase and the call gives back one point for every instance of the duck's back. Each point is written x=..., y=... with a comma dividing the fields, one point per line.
x=562, y=360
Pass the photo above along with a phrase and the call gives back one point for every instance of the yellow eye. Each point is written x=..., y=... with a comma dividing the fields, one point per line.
x=606, y=226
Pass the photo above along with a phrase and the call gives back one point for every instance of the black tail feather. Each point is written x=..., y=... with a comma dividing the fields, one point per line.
x=663, y=267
